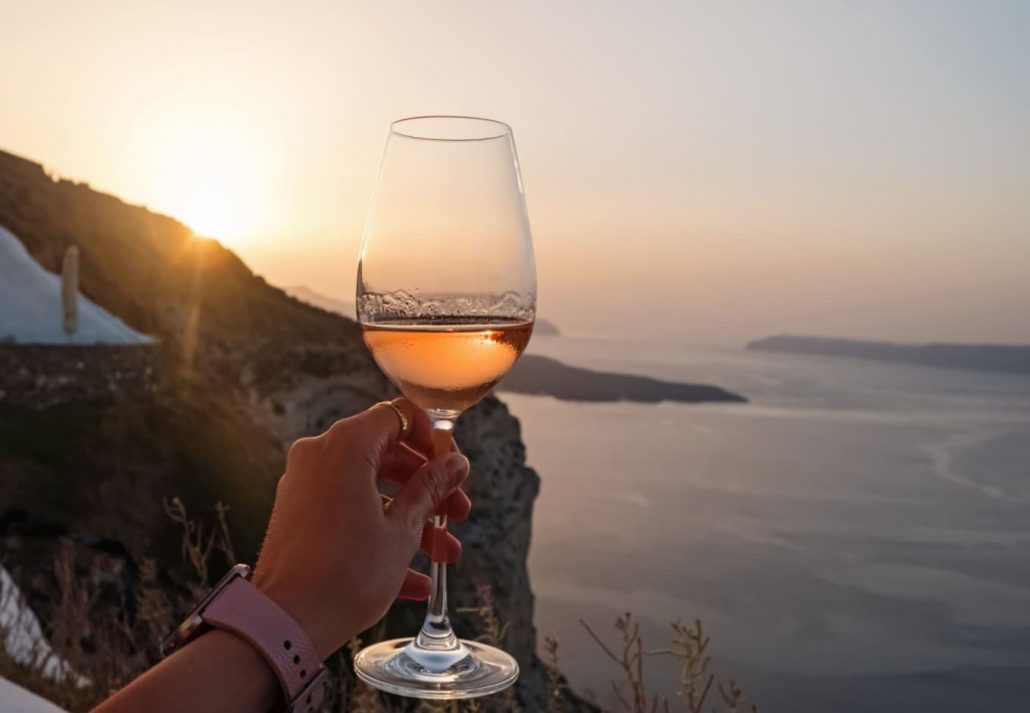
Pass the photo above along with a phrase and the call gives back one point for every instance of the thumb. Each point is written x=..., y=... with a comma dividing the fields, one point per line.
x=429, y=488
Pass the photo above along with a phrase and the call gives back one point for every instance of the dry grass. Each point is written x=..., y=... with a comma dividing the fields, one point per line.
x=555, y=681
x=106, y=632
x=101, y=636
x=493, y=633
x=690, y=649
x=90, y=648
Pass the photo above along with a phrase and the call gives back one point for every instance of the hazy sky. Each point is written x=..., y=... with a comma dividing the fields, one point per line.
x=718, y=170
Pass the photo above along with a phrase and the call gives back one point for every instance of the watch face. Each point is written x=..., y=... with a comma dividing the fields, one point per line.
x=194, y=622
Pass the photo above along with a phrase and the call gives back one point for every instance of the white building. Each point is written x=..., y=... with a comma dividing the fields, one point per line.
x=31, y=310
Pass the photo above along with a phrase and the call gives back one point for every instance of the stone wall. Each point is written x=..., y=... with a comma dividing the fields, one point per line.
x=39, y=376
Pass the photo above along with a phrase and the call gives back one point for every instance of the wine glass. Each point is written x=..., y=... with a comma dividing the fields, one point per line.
x=446, y=297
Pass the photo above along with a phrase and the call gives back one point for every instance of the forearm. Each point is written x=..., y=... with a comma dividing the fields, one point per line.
x=217, y=673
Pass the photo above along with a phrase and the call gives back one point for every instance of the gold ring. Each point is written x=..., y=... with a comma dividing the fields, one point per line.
x=400, y=415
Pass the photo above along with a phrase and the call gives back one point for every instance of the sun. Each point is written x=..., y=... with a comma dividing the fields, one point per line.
x=216, y=200
x=212, y=186
x=206, y=168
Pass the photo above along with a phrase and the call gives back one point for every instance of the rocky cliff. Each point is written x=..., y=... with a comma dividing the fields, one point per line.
x=240, y=369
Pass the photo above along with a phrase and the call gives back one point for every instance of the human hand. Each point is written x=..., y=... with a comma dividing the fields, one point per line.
x=332, y=556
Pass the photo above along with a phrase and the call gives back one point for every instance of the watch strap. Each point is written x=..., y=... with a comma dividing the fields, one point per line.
x=244, y=610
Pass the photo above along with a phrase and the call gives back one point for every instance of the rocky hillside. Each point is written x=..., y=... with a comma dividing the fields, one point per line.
x=241, y=370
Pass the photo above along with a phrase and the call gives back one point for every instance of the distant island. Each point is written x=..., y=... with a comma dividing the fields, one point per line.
x=541, y=375
x=541, y=328
x=1012, y=359
x=317, y=299
x=545, y=328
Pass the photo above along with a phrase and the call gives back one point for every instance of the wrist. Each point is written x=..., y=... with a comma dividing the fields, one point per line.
x=216, y=648
x=217, y=671
x=328, y=631
x=237, y=607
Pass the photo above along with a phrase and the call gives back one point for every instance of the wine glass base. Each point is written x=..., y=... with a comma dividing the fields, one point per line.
x=389, y=666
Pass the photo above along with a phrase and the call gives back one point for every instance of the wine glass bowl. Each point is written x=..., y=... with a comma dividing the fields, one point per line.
x=446, y=298
x=446, y=368
x=448, y=220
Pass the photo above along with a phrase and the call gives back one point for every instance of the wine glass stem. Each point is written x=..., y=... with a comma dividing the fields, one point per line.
x=436, y=633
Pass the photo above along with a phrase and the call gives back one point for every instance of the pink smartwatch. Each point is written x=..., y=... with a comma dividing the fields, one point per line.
x=236, y=605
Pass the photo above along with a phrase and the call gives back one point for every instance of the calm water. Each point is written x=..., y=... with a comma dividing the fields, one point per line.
x=856, y=538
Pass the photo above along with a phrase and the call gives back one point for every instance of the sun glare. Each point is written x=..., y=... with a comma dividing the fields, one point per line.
x=206, y=168
x=213, y=199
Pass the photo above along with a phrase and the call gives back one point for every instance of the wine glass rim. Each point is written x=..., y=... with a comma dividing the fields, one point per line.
x=502, y=129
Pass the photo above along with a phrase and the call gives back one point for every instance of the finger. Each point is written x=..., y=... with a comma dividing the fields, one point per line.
x=458, y=505
x=416, y=586
x=429, y=488
x=420, y=434
x=399, y=462
x=448, y=549
x=362, y=439
x=424, y=455
x=383, y=420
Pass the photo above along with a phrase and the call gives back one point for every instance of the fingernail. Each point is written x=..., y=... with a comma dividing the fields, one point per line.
x=456, y=464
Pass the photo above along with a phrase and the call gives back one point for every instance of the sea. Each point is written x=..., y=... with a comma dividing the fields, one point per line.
x=856, y=537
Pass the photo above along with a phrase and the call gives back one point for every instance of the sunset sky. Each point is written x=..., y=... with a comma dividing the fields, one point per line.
x=706, y=171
